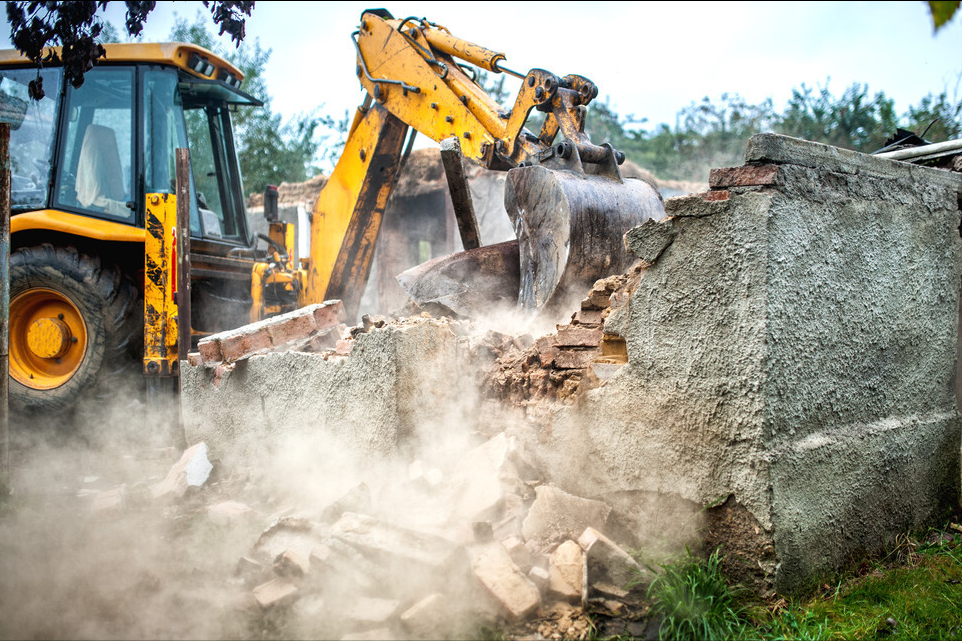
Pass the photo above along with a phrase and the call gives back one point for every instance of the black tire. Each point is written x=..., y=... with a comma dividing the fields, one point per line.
x=44, y=279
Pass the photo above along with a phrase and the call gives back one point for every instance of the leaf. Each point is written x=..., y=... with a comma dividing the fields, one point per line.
x=942, y=12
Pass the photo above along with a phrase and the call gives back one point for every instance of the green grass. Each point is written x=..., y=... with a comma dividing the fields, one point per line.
x=915, y=592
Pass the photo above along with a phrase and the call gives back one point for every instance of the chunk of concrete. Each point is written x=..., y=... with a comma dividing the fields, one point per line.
x=567, y=573
x=514, y=593
x=292, y=564
x=277, y=592
x=608, y=563
x=367, y=611
x=405, y=551
x=228, y=512
x=426, y=617
x=481, y=477
x=557, y=515
x=192, y=470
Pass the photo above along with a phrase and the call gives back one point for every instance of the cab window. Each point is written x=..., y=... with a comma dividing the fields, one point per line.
x=97, y=149
x=32, y=130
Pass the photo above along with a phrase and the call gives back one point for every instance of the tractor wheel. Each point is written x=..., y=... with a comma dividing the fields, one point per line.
x=76, y=327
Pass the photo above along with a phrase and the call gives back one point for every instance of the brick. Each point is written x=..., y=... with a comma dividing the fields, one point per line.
x=195, y=359
x=578, y=337
x=192, y=469
x=596, y=300
x=291, y=563
x=296, y=326
x=209, y=350
x=244, y=343
x=328, y=314
x=574, y=359
x=714, y=195
x=744, y=176
x=274, y=593
x=371, y=611
x=590, y=317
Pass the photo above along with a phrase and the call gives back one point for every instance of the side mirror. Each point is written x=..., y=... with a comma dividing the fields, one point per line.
x=270, y=204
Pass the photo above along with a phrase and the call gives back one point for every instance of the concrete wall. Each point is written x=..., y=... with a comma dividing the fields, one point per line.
x=792, y=359
x=372, y=400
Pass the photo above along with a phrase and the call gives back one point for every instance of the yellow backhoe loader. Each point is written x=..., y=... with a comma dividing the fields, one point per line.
x=91, y=165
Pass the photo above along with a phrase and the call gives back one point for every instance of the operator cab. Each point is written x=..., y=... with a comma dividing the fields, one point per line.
x=117, y=135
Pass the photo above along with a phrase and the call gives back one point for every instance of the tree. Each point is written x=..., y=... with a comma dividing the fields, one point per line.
x=854, y=120
x=269, y=150
x=76, y=27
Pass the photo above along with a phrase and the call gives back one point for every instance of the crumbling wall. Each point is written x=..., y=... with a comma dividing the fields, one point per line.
x=373, y=400
x=791, y=359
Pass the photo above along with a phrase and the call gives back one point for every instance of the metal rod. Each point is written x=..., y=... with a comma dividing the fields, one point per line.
x=4, y=300
x=924, y=150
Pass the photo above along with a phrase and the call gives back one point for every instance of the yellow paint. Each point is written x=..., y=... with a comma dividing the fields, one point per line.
x=54, y=220
x=171, y=53
x=257, y=291
x=37, y=360
x=160, y=308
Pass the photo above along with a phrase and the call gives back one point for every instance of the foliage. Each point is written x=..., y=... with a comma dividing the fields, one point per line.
x=270, y=150
x=854, y=120
x=695, y=601
x=942, y=11
x=76, y=28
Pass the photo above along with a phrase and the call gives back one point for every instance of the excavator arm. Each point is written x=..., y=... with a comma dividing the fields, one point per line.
x=414, y=77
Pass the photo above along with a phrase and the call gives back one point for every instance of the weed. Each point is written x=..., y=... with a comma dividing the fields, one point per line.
x=694, y=600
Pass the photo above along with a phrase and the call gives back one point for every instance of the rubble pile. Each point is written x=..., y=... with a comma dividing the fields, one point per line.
x=438, y=553
x=565, y=364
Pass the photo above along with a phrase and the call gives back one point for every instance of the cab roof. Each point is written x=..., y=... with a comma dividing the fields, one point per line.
x=195, y=60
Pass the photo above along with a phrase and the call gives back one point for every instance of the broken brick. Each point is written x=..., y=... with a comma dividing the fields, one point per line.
x=291, y=563
x=209, y=350
x=296, y=326
x=589, y=317
x=274, y=593
x=577, y=337
x=742, y=176
x=574, y=359
x=714, y=195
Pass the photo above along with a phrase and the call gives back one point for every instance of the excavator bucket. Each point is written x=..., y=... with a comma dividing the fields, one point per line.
x=570, y=228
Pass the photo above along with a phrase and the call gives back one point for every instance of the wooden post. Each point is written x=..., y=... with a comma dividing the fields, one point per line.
x=453, y=162
x=4, y=299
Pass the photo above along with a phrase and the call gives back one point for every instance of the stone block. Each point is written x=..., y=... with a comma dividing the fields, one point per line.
x=557, y=515
x=515, y=594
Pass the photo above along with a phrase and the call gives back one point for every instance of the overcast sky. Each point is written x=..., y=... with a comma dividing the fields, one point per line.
x=648, y=59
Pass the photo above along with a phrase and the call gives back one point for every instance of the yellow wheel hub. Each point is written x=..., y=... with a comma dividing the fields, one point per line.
x=48, y=338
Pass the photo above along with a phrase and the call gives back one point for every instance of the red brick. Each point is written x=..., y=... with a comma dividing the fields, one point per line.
x=578, y=337
x=195, y=359
x=574, y=359
x=330, y=313
x=290, y=327
x=209, y=350
x=742, y=176
x=596, y=300
x=587, y=317
x=715, y=196
x=238, y=345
